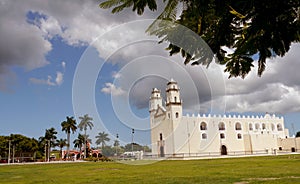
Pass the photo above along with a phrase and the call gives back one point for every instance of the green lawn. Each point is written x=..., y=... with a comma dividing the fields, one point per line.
x=272, y=169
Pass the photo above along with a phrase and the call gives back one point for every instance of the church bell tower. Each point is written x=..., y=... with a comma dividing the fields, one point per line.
x=174, y=102
x=154, y=102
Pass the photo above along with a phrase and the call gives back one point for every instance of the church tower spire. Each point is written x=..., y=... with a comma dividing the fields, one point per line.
x=174, y=102
x=155, y=100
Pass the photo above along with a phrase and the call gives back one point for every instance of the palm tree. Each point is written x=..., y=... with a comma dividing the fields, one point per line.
x=50, y=135
x=85, y=122
x=68, y=126
x=102, y=138
x=61, y=143
x=79, y=142
x=48, y=141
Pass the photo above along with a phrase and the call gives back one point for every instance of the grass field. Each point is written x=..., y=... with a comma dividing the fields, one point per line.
x=271, y=169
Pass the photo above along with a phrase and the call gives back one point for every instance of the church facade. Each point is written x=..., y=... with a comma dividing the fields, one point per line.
x=175, y=134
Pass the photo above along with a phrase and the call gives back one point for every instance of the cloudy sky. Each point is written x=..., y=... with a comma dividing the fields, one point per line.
x=69, y=58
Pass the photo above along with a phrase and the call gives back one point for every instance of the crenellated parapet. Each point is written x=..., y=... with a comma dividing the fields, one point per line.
x=248, y=117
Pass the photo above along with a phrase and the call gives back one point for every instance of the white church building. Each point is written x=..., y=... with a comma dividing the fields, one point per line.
x=174, y=134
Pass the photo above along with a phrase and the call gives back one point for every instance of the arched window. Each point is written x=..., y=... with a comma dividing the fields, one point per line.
x=250, y=126
x=203, y=126
x=222, y=136
x=176, y=114
x=272, y=127
x=239, y=136
x=238, y=126
x=204, y=136
x=279, y=127
x=257, y=126
x=175, y=99
x=263, y=126
x=221, y=126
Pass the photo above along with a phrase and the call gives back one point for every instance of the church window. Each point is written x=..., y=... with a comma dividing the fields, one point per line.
x=238, y=126
x=222, y=136
x=204, y=136
x=175, y=99
x=160, y=137
x=250, y=126
x=239, y=136
x=257, y=126
x=221, y=126
x=263, y=126
x=279, y=127
x=169, y=115
x=176, y=114
x=273, y=127
x=203, y=126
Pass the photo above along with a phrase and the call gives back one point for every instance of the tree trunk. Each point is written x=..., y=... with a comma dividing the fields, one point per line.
x=60, y=154
x=68, y=146
x=85, y=143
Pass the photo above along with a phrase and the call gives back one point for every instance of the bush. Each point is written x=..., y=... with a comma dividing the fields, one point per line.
x=95, y=159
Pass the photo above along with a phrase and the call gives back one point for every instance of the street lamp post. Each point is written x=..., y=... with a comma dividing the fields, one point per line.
x=132, y=141
x=117, y=145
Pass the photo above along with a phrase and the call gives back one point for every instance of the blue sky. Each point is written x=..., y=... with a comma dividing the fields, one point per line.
x=45, y=44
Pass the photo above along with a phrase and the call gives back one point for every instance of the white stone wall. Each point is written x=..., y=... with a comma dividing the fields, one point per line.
x=183, y=135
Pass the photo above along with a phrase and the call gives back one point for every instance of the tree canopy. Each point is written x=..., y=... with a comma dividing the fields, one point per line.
x=68, y=126
x=102, y=138
x=252, y=29
x=21, y=144
x=50, y=135
x=85, y=122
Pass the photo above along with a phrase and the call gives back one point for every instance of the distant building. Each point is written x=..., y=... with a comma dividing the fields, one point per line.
x=173, y=134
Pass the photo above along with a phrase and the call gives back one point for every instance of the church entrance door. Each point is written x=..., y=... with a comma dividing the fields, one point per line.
x=223, y=150
x=293, y=149
x=162, y=152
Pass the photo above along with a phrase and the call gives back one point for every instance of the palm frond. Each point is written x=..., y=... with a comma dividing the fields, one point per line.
x=110, y=3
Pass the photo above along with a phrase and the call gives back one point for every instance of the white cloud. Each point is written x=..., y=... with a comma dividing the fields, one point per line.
x=276, y=91
x=50, y=27
x=47, y=81
x=76, y=22
x=112, y=89
x=59, y=78
x=116, y=75
x=63, y=65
